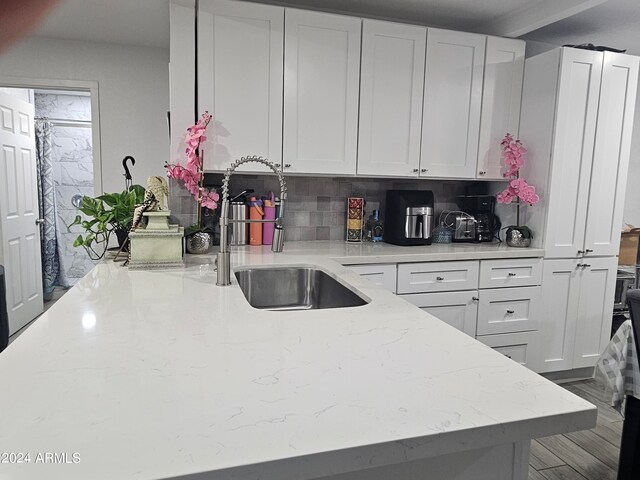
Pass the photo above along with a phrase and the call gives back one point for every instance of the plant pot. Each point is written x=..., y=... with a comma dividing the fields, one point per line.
x=122, y=236
x=519, y=236
x=198, y=243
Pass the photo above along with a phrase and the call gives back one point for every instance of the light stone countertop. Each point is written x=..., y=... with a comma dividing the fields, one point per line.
x=366, y=252
x=160, y=374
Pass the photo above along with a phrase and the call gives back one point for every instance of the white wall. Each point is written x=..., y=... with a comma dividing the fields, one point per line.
x=133, y=94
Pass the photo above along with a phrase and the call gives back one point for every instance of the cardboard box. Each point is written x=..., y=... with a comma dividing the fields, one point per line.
x=629, y=243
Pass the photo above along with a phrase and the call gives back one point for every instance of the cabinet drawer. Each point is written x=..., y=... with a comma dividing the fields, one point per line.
x=519, y=347
x=458, y=309
x=508, y=310
x=381, y=275
x=516, y=272
x=437, y=276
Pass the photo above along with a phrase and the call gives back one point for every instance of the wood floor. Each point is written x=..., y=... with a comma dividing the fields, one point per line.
x=587, y=455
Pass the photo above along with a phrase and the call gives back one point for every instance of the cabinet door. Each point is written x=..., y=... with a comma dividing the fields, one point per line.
x=321, y=83
x=572, y=153
x=182, y=74
x=381, y=275
x=392, y=78
x=458, y=309
x=558, y=313
x=502, y=92
x=611, y=154
x=240, y=69
x=595, y=311
x=452, y=101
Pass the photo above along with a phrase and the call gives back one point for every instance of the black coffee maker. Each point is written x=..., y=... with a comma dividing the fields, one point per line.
x=481, y=208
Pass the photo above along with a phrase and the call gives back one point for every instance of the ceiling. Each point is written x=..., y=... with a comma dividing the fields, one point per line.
x=146, y=22
x=467, y=15
x=614, y=24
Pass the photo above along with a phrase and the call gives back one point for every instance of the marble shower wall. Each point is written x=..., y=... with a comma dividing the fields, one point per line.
x=316, y=208
x=73, y=174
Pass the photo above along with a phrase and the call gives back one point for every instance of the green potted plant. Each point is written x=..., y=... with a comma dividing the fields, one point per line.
x=104, y=215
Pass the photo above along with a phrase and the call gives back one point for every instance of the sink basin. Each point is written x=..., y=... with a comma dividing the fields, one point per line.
x=295, y=288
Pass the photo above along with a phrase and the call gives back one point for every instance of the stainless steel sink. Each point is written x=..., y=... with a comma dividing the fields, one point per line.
x=295, y=288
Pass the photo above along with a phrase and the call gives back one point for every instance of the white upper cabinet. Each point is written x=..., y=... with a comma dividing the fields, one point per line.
x=580, y=160
x=391, y=83
x=321, y=84
x=611, y=154
x=572, y=152
x=502, y=92
x=452, y=104
x=240, y=75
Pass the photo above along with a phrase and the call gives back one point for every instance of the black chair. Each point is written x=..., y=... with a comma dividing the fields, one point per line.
x=4, y=316
x=629, y=464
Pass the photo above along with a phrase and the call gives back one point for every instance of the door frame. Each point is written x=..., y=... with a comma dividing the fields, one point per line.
x=62, y=84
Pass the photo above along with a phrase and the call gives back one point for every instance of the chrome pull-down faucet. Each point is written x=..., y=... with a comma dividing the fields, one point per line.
x=224, y=256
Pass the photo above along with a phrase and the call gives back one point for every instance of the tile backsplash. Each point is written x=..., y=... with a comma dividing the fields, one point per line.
x=316, y=206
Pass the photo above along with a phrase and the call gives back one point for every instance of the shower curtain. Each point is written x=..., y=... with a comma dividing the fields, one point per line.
x=47, y=200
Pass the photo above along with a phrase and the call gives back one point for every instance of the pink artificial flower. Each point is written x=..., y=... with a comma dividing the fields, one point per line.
x=192, y=173
x=512, y=153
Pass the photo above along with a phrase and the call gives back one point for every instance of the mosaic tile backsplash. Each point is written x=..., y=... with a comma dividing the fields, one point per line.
x=316, y=206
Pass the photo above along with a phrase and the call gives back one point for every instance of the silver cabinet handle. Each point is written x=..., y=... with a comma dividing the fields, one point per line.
x=511, y=312
x=39, y=221
x=588, y=250
x=440, y=279
x=475, y=299
x=415, y=170
x=424, y=170
x=287, y=165
x=511, y=274
x=482, y=173
x=580, y=252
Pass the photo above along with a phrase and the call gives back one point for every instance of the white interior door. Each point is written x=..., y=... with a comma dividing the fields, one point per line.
x=20, y=251
x=611, y=153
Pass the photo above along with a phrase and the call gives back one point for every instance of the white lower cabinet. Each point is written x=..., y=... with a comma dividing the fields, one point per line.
x=522, y=347
x=383, y=275
x=575, y=323
x=458, y=309
x=496, y=301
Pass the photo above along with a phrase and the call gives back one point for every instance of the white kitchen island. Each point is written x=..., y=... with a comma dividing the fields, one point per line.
x=161, y=374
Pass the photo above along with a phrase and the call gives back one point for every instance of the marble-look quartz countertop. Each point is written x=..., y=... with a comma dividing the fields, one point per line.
x=367, y=252
x=161, y=374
